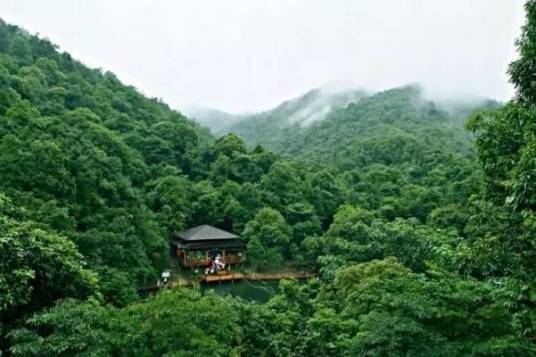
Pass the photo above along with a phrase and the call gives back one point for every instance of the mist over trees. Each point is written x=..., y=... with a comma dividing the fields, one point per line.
x=421, y=231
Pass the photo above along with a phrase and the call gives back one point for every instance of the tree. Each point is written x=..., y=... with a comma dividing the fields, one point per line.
x=449, y=217
x=392, y=311
x=356, y=236
x=282, y=185
x=230, y=145
x=69, y=328
x=301, y=216
x=325, y=195
x=268, y=236
x=504, y=223
x=522, y=70
x=171, y=199
x=39, y=267
x=179, y=322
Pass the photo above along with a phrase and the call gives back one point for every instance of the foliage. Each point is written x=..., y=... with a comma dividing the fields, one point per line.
x=271, y=127
x=72, y=328
x=181, y=322
x=422, y=246
x=37, y=268
x=267, y=234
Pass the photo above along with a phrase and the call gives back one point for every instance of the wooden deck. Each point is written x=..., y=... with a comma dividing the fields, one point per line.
x=229, y=276
x=225, y=276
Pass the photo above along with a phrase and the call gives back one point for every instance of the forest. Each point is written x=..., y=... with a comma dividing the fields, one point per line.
x=419, y=222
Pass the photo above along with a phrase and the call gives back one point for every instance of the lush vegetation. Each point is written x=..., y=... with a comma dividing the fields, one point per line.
x=423, y=247
x=281, y=124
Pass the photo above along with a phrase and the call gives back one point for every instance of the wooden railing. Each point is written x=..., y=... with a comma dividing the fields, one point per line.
x=186, y=262
x=227, y=259
x=232, y=259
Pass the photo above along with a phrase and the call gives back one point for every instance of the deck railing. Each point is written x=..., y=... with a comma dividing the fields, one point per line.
x=227, y=259
x=232, y=259
x=186, y=262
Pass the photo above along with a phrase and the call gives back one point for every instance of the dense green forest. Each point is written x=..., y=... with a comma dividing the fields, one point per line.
x=330, y=124
x=422, y=233
x=272, y=128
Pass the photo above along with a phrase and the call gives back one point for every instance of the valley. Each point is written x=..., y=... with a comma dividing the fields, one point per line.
x=411, y=218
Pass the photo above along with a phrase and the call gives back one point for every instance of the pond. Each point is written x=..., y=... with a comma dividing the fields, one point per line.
x=259, y=291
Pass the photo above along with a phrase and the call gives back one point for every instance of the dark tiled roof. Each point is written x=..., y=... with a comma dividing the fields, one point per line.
x=212, y=244
x=205, y=232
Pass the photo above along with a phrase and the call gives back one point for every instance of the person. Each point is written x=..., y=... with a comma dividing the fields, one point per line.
x=217, y=265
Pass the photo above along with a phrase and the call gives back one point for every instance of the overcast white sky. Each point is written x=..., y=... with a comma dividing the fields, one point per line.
x=242, y=55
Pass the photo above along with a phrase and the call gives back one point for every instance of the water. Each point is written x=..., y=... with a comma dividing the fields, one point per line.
x=259, y=291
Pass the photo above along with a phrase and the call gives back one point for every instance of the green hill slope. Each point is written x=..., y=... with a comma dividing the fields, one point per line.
x=419, y=248
x=109, y=169
x=282, y=122
x=394, y=126
x=340, y=126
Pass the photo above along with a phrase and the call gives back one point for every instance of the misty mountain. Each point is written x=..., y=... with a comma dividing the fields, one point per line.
x=389, y=126
x=328, y=114
x=267, y=126
x=215, y=119
x=373, y=195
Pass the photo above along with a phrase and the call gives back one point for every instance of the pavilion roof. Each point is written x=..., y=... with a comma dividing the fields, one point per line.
x=205, y=232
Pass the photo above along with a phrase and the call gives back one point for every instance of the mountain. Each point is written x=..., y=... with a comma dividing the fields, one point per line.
x=77, y=149
x=266, y=127
x=420, y=249
x=286, y=127
x=107, y=174
x=388, y=126
x=215, y=119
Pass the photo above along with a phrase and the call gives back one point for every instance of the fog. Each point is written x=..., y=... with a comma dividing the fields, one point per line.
x=250, y=55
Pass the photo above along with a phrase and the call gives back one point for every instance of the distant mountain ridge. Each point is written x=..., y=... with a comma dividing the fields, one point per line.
x=269, y=127
x=215, y=119
x=294, y=123
x=392, y=125
x=298, y=112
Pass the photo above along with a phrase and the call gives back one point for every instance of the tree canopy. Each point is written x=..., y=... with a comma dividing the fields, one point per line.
x=421, y=232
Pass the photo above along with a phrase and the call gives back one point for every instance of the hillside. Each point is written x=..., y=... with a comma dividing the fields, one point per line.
x=115, y=172
x=217, y=120
x=420, y=234
x=319, y=120
x=395, y=126
x=268, y=127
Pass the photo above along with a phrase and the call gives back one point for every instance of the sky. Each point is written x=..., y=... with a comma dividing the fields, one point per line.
x=250, y=55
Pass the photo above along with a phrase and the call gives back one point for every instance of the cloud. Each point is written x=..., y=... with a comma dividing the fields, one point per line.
x=243, y=55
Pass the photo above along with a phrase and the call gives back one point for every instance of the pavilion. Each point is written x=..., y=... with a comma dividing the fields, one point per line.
x=199, y=246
